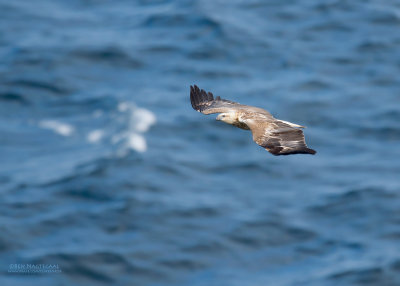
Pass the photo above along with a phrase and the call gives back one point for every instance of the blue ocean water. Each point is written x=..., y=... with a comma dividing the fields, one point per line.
x=107, y=172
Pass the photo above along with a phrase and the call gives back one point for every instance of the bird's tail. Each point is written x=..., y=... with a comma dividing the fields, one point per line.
x=292, y=124
x=310, y=151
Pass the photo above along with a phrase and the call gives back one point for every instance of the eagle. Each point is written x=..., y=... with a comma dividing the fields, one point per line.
x=277, y=136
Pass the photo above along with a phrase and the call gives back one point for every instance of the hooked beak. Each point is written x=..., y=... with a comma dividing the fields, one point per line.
x=218, y=117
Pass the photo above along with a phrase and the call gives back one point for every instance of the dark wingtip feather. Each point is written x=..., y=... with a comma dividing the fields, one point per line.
x=199, y=98
x=302, y=151
x=210, y=96
x=311, y=151
x=192, y=96
x=278, y=151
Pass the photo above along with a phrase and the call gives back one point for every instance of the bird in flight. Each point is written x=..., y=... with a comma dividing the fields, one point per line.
x=278, y=137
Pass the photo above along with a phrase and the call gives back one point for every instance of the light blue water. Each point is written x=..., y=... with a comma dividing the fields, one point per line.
x=108, y=172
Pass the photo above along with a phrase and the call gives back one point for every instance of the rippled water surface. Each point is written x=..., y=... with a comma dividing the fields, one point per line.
x=108, y=172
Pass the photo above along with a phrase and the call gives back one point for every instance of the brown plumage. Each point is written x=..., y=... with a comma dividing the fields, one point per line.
x=277, y=136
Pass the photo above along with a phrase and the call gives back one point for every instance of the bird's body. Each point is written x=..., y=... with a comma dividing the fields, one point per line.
x=276, y=136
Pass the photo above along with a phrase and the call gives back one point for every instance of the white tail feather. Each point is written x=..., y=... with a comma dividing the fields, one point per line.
x=292, y=124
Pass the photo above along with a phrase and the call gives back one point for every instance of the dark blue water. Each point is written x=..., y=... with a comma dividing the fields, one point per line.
x=107, y=171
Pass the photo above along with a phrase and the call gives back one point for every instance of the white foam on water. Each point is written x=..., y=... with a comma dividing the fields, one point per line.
x=118, y=137
x=135, y=122
x=123, y=106
x=95, y=136
x=58, y=127
x=136, y=142
x=139, y=122
x=142, y=119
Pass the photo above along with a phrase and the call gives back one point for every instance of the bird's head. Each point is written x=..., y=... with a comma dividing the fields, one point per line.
x=227, y=117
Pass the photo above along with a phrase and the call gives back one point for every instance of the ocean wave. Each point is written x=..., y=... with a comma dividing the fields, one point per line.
x=181, y=20
x=13, y=97
x=81, y=134
x=113, y=55
x=58, y=127
x=369, y=275
x=39, y=84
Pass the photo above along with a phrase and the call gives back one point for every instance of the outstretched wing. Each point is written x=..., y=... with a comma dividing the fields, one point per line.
x=205, y=103
x=278, y=137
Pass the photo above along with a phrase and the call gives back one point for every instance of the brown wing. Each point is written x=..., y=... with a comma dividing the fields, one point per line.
x=279, y=138
x=205, y=103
